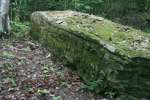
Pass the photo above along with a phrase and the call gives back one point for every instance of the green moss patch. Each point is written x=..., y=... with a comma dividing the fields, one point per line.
x=114, y=56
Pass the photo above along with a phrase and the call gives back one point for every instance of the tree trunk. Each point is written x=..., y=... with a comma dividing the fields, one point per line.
x=4, y=17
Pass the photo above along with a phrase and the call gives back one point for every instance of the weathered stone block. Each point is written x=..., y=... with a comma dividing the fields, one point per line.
x=114, y=56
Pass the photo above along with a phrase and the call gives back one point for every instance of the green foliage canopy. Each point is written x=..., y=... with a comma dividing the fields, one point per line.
x=21, y=9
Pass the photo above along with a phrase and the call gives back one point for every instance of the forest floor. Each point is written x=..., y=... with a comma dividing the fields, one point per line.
x=29, y=72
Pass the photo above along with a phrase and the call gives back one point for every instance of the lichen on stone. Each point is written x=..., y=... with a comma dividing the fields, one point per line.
x=117, y=57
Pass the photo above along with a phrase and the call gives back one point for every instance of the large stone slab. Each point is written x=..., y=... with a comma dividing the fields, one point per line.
x=115, y=57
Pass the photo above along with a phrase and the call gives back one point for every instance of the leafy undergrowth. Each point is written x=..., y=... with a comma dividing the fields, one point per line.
x=20, y=29
x=29, y=72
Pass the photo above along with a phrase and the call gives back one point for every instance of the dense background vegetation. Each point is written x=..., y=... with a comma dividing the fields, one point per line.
x=21, y=9
x=129, y=12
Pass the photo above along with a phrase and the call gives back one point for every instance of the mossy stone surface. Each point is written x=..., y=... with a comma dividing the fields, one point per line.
x=117, y=57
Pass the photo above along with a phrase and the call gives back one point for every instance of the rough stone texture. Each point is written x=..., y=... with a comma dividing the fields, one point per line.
x=115, y=57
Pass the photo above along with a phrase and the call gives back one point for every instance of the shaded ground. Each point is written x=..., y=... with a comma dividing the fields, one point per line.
x=29, y=72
